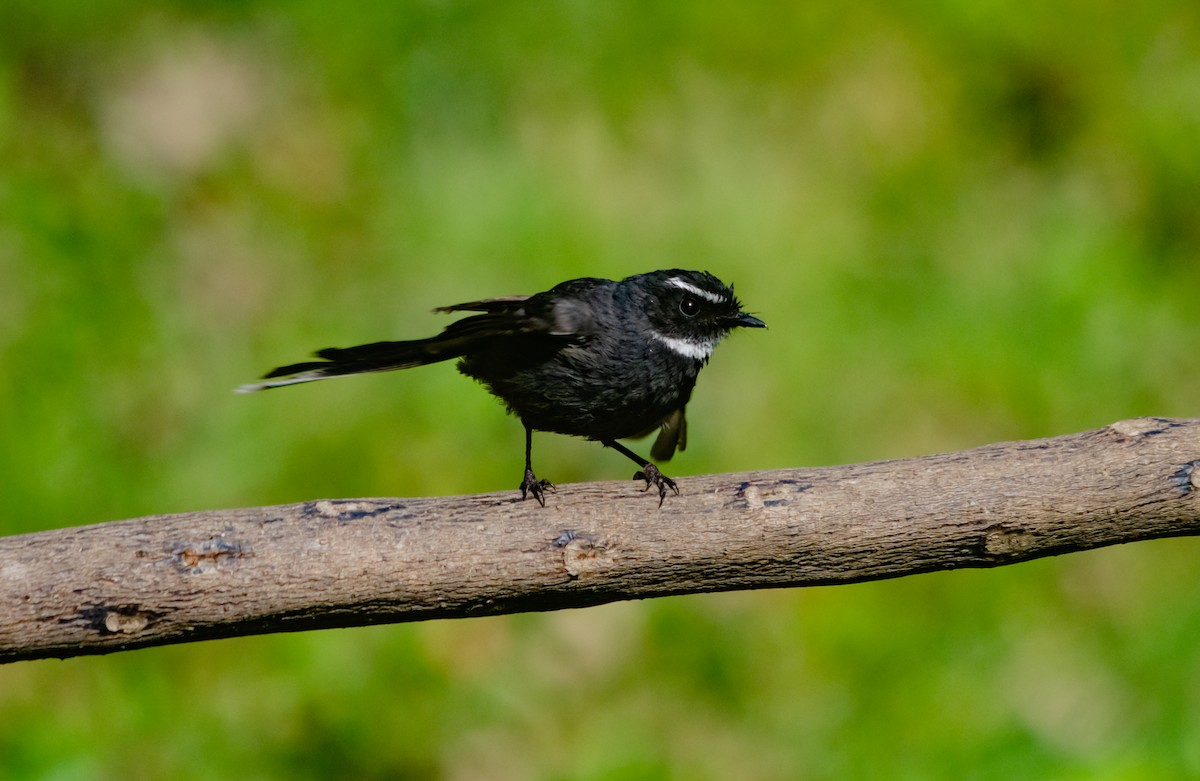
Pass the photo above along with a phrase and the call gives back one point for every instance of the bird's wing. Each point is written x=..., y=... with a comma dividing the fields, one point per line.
x=671, y=437
x=554, y=314
x=498, y=304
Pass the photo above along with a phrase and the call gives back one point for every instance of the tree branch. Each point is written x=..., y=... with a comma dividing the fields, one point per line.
x=336, y=563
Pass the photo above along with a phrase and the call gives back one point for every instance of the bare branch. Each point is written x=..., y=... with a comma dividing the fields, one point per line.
x=333, y=563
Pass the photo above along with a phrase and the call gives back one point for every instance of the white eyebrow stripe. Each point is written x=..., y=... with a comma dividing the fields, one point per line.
x=689, y=287
x=697, y=351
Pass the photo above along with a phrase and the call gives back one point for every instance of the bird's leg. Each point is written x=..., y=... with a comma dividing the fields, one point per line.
x=530, y=484
x=649, y=472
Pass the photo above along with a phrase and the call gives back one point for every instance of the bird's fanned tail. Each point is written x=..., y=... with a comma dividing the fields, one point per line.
x=374, y=357
x=504, y=317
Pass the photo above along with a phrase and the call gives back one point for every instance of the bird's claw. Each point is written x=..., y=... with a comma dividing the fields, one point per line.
x=531, y=485
x=653, y=477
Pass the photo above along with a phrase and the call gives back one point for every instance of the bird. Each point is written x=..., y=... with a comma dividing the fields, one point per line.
x=594, y=358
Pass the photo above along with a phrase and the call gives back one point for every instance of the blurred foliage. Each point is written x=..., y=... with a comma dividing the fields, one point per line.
x=964, y=222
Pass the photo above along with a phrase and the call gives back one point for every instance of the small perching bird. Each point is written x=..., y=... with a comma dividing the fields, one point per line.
x=593, y=358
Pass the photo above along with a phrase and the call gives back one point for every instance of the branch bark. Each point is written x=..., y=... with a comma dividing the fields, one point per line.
x=336, y=563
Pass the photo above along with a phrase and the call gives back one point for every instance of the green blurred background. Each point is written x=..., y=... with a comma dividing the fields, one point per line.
x=964, y=222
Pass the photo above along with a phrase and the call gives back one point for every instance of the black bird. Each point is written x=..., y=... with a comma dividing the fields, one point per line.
x=592, y=358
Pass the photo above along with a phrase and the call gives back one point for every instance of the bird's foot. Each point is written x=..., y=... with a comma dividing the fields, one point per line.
x=531, y=485
x=653, y=477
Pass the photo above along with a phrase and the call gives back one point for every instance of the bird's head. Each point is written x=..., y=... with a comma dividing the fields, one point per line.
x=690, y=311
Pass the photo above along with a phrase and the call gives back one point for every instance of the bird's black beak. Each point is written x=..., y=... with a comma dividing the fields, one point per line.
x=745, y=320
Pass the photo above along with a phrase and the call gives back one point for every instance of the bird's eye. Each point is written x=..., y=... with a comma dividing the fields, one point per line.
x=689, y=306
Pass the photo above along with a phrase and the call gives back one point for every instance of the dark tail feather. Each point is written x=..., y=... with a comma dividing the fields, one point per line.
x=375, y=357
x=458, y=338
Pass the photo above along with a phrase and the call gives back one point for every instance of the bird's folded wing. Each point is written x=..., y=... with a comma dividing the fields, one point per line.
x=498, y=304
